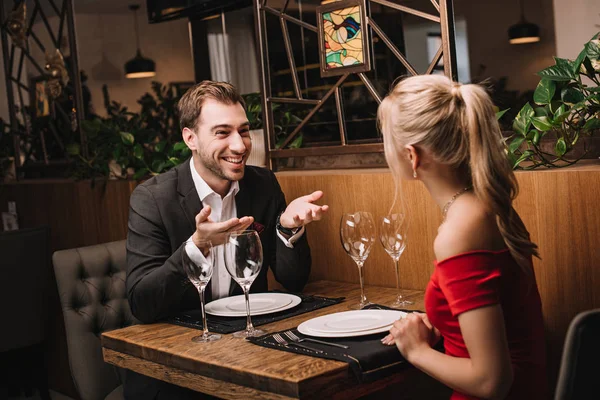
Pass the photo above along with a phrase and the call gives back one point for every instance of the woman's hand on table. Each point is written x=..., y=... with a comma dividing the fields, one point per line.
x=411, y=334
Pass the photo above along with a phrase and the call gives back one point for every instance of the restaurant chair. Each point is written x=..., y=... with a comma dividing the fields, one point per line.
x=91, y=285
x=25, y=278
x=578, y=375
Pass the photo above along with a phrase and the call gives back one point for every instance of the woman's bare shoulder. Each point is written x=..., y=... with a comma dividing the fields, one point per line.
x=469, y=226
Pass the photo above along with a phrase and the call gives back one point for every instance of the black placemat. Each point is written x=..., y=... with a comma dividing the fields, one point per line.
x=369, y=359
x=193, y=318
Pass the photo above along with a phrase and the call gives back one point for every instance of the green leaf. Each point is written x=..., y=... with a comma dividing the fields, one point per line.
x=542, y=123
x=561, y=114
x=158, y=165
x=515, y=144
x=499, y=114
x=593, y=89
x=536, y=138
x=296, y=143
x=127, y=138
x=544, y=92
x=557, y=73
x=561, y=147
x=526, y=155
x=138, y=151
x=140, y=173
x=179, y=146
x=73, y=149
x=523, y=120
x=593, y=49
x=577, y=63
x=592, y=124
x=542, y=111
x=571, y=95
x=160, y=146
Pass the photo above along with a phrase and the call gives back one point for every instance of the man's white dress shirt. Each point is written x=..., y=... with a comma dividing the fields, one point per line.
x=222, y=209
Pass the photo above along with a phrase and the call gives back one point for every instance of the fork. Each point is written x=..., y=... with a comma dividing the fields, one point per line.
x=279, y=339
x=294, y=338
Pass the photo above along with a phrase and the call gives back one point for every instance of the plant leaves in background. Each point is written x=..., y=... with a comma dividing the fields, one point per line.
x=571, y=96
x=542, y=123
x=127, y=137
x=561, y=147
x=592, y=124
x=557, y=73
x=544, y=92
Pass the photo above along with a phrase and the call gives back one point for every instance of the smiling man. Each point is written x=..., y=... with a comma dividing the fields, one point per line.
x=213, y=194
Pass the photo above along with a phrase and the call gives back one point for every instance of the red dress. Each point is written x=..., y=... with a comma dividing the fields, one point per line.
x=481, y=278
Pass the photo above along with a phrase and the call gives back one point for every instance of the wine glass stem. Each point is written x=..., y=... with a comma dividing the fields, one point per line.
x=363, y=298
x=204, y=324
x=249, y=327
x=396, y=261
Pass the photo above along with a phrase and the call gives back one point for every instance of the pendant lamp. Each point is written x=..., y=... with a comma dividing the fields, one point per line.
x=523, y=32
x=138, y=66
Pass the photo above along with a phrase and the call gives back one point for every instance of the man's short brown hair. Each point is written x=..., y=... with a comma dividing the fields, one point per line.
x=190, y=104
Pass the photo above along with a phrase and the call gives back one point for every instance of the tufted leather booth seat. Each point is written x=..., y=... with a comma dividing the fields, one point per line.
x=91, y=285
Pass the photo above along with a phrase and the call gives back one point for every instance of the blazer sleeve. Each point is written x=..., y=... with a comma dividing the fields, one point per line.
x=155, y=281
x=291, y=266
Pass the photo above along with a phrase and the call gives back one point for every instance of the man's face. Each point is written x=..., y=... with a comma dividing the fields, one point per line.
x=222, y=141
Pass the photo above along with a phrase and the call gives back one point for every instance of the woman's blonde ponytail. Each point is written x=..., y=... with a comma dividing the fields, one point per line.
x=494, y=182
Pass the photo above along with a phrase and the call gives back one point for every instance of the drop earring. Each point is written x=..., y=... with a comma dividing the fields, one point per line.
x=415, y=173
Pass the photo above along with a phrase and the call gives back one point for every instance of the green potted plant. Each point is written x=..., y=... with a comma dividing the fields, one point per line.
x=128, y=145
x=566, y=111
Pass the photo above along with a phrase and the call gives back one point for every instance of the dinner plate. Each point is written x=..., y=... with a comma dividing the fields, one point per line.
x=260, y=303
x=351, y=323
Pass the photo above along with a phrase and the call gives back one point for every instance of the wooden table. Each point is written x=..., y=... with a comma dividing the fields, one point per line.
x=233, y=368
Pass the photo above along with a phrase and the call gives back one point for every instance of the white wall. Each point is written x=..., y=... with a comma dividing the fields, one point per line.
x=107, y=41
x=575, y=23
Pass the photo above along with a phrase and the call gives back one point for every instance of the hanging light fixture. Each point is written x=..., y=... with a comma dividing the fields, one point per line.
x=523, y=32
x=138, y=66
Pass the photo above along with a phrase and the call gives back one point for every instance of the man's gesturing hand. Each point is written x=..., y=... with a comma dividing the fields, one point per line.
x=217, y=232
x=302, y=211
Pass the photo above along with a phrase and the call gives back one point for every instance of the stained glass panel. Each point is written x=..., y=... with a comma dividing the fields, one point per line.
x=343, y=38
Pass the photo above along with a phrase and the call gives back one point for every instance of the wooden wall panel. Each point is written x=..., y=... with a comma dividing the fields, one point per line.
x=559, y=207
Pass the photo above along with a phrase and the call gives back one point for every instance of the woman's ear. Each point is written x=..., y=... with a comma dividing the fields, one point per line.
x=189, y=138
x=412, y=156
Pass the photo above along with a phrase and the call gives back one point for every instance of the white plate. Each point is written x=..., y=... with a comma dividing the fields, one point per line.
x=350, y=323
x=260, y=303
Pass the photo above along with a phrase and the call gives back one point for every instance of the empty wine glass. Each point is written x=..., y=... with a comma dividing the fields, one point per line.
x=243, y=260
x=393, y=238
x=357, y=233
x=198, y=265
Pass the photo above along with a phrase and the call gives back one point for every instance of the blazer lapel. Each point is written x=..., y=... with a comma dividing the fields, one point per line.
x=190, y=201
x=188, y=195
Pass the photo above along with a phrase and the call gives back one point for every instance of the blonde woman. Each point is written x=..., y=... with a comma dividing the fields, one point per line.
x=482, y=297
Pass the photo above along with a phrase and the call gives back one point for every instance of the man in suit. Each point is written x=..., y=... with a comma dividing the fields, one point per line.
x=210, y=196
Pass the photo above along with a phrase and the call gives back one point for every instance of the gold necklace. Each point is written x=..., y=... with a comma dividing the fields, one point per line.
x=449, y=203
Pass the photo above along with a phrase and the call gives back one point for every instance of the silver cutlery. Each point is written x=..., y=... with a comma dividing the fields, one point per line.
x=294, y=338
x=279, y=339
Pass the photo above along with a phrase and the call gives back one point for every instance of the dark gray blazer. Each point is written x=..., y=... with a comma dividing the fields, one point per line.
x=162, y=217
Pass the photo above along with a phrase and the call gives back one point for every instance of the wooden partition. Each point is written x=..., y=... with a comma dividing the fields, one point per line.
x=559, y=207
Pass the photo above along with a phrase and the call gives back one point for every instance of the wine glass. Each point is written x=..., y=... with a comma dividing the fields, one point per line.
x=243, y=260
x=198, y=264
x=393, y=238
x=357, y=233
